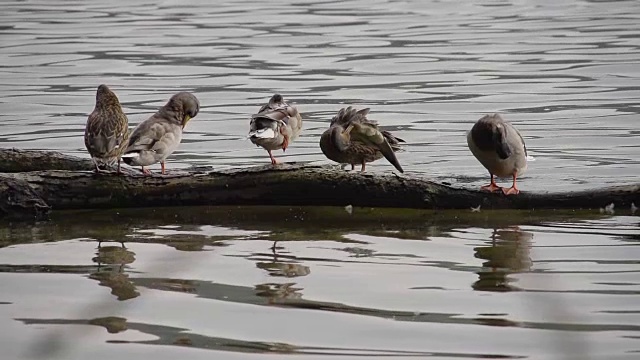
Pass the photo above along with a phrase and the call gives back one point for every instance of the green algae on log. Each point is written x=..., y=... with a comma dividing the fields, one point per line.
x=283, y=184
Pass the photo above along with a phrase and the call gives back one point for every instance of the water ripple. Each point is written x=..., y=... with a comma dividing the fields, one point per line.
x=557, y=71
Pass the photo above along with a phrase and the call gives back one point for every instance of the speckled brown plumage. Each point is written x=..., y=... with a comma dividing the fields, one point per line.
x=107, y=130
x=154, y=139
x=354, y=139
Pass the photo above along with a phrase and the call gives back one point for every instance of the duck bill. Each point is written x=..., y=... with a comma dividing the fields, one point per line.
x=186, y=120
x=348, y=129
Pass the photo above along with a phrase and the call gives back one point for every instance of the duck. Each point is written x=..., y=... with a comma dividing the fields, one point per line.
x=276, y=125
x=154, y=139
x=500, y=149
x=354, y=139
x=106, y=131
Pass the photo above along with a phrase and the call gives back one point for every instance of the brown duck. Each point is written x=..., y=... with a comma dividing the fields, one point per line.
x=500, y=149
x=107, y=130
x=354, y=139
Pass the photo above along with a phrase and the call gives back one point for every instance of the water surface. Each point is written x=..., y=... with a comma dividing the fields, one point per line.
x=203, y=283
x=566, y=74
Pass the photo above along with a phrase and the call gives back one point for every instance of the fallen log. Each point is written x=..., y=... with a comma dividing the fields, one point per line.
x=286, y=184
x=16, y=160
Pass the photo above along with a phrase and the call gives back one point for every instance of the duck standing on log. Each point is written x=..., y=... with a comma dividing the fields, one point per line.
x=275, y=126
x=154, y=139
x=354, y=139
x=500, y=148
x=105, y=134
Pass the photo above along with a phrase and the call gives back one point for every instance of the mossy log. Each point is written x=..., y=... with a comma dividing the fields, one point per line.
x=284, y=184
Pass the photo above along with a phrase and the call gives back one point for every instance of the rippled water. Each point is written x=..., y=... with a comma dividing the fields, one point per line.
x=565, y=73
x=202, y=283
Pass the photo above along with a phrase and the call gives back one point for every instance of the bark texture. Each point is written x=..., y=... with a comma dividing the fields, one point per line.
x=284, y=184
x=15, y=160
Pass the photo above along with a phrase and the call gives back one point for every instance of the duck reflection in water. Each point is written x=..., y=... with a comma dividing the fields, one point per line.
x=113, y=324
x=112, y=275
x=284, y=291
x=508, y=254
x=281, y=269
x=278, y=292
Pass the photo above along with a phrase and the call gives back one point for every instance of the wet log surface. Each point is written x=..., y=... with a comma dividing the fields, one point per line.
x=34, y=189
x=15, y=160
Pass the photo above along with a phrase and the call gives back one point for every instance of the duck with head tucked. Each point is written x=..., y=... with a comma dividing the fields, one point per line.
x=275, y=125
x=354, y=139
x=500, y=148
x=107, y=129
x=154, y=139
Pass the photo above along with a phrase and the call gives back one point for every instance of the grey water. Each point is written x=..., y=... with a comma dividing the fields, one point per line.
x=373, y=283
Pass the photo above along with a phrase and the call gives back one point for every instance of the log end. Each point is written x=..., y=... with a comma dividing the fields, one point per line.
x=18, y=200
